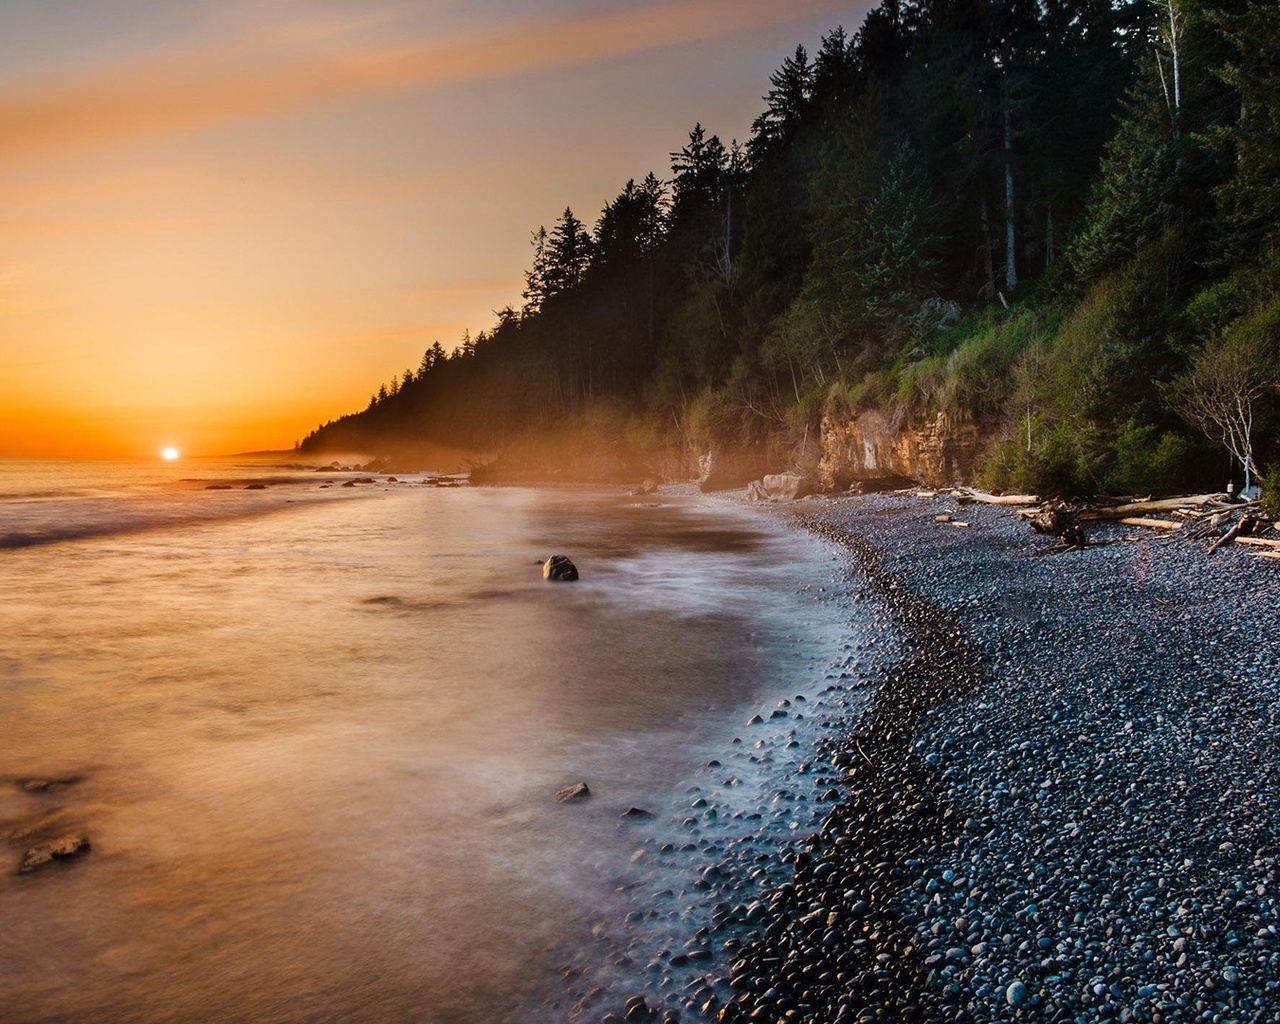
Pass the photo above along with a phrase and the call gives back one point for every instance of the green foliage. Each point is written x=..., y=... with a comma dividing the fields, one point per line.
x=802, y=346
x=823, y=268
x=1250, y=198
x=972, y=381
x=1270, y=502
x=711, y=417
x=874, y=254
x=1053, y=466
x=1077, y=458
x=1136, y=195
x=1060, y=410
x=1146, y=460
x=874, y=390
x=1224, y=389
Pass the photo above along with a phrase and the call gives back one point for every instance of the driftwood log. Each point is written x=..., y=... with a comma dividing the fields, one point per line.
x=1258, y=542
x=1137, y=508
x=969, y=494
x=1194, y=517
x=1155, y=524
x=1058, y=519
x=1243, y=528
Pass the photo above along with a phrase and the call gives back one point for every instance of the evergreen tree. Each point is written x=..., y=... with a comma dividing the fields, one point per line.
x=1250, y=198
x=786, y=102
x=535, y=278
x=567, y=255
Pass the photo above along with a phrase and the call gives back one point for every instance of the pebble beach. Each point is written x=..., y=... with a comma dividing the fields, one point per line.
x=1062, y=800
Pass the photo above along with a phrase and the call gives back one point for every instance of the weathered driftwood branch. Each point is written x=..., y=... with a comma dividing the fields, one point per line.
x=1241, y=529
x=1260, y=542
x=1160, y=505
x=997, y=499
x=1228, y=538
x=1155, y=524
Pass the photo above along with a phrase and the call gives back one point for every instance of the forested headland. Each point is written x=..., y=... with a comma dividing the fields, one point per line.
x=1054, y=221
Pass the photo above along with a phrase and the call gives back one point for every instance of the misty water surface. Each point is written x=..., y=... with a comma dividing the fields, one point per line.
x=315, y=749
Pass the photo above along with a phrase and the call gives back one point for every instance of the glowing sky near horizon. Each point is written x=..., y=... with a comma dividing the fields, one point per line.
x=223, y=222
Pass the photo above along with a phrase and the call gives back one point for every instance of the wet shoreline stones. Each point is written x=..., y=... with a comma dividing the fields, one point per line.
x=837, y=946
x=1034, y=789
x=1063, y=803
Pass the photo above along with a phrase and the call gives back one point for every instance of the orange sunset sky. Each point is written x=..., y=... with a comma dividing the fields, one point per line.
x=223, y=222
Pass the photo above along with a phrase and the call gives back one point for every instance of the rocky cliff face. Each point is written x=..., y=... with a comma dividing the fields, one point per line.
x=874, y=447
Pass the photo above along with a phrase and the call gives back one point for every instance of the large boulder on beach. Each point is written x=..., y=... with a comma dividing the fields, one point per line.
x=777, y=487
x=559, y=568
x=722, y=469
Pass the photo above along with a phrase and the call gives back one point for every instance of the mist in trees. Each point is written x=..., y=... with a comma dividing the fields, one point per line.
x=1072, y=202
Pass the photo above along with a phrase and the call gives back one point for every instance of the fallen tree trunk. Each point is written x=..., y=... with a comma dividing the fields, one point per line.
x=1162, y=505
x=999, y=499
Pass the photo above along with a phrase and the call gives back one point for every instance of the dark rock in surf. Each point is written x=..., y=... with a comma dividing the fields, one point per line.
x=62, y=848
x=255, y=487
x=560, y=569
x=42, y=785
x=636, y=812
x=217, y=487
x=568, y=794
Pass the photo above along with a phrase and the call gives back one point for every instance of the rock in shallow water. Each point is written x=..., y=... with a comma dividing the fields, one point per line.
x=62, y=848
x=578, y=791
x=559, y=568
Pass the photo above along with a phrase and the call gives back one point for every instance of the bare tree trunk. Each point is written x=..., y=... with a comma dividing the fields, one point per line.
x=1164, y=87
x=650, y=328
x=1050, y=250
x=728, y=243
x=1010, y=252
x=988, y=262
x=1174, y=102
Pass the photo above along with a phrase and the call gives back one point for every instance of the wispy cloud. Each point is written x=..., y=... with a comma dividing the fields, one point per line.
x=78, y=226
x=225, y=84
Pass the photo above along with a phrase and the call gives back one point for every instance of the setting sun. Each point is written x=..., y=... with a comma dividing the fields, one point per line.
x=169, y=454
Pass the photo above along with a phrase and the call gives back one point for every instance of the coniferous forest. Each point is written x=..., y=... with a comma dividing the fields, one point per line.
x=1058, y=220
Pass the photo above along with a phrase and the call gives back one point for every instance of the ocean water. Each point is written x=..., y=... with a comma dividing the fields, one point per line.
x=313, y=734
